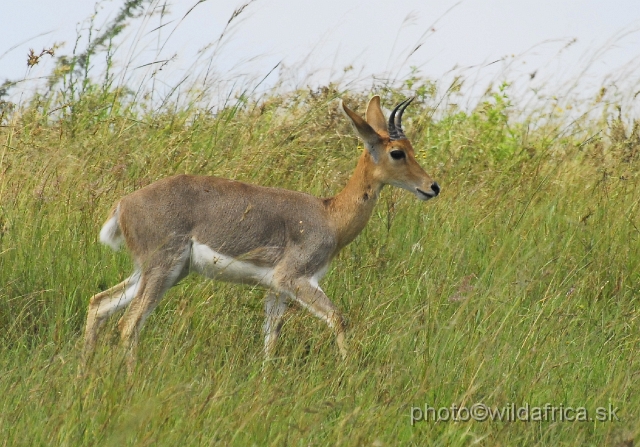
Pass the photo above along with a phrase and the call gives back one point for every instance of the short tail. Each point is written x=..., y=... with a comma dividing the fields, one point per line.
x=111, y=233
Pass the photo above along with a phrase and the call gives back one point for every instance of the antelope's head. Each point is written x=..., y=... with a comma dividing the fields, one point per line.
x=392, y=156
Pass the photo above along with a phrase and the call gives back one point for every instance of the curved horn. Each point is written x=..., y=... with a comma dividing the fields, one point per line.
x=399, y=118
x=395, y=122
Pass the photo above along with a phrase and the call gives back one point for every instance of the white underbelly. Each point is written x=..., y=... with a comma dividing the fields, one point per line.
x=215, y=265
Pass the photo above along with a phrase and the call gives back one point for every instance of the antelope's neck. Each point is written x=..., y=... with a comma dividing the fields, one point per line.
x=350, y=210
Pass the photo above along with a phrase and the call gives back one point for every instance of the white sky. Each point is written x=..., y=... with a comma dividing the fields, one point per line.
x=316, y=40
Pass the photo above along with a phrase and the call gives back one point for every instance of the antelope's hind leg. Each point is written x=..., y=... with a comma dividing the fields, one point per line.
x=102, y=306
x=154, y=283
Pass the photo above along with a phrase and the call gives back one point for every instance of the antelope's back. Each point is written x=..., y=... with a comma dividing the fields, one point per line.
x=234, y=218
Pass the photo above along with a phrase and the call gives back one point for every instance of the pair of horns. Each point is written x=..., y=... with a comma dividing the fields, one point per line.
x=395, y=122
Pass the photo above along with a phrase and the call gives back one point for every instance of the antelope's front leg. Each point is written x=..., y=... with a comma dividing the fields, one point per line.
x=314, y=299
x=275, y=306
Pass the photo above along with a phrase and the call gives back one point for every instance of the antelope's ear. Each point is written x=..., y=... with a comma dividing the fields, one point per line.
x=370, y=137
x=375, y=117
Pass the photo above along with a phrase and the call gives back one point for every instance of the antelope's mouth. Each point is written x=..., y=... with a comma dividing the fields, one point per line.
x=425, y=195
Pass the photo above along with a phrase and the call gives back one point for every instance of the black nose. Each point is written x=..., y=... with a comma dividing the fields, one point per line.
x=435, y=188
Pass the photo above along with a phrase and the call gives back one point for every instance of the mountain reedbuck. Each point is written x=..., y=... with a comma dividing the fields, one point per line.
x=234, y=231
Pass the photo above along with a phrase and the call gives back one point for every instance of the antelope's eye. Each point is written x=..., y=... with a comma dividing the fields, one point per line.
x=397, y=154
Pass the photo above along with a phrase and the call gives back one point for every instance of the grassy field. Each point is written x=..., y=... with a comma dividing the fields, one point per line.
x=517, y=286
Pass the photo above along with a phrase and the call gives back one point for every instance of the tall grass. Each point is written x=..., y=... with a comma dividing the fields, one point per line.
x=518, y=284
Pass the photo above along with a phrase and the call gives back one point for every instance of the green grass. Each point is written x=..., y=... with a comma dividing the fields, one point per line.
x=518, y=284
